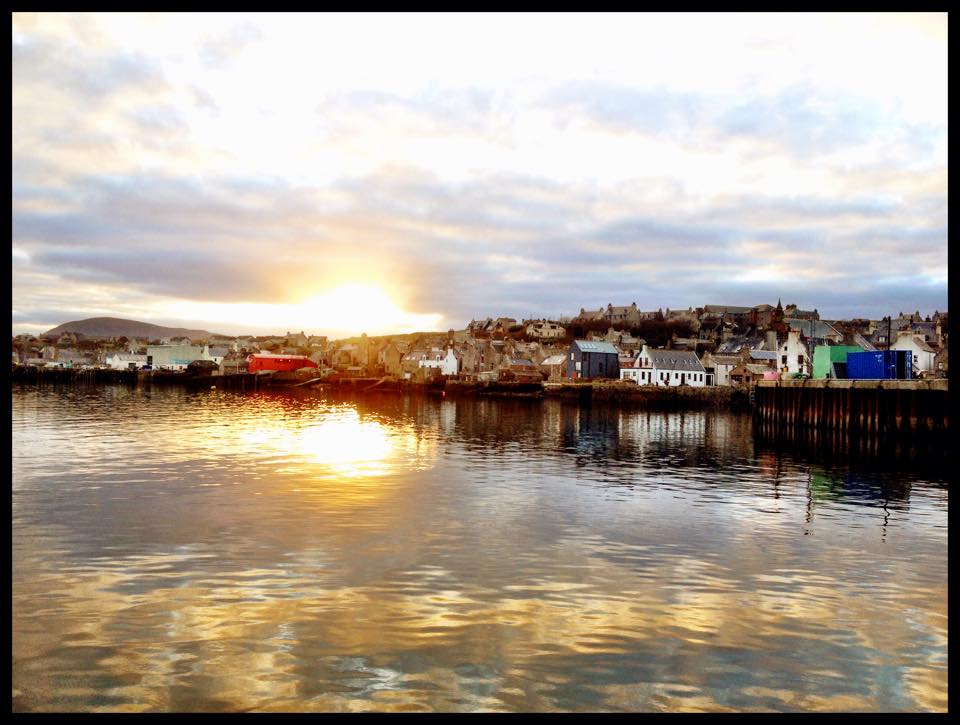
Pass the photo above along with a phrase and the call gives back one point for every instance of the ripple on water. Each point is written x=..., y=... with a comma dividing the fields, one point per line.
x=212, y=551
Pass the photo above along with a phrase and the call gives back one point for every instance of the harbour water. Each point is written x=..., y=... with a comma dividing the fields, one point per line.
x=177, y=550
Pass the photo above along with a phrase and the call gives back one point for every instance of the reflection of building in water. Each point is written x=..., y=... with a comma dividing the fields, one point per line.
x=860, y=487
x=593, y=431
x=448, y=417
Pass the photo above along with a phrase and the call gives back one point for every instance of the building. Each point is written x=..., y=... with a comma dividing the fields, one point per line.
x=588, y=359
x=389, y=358
x=748, y=374
x=233, y=365
x=448, y=364
x=794, y=356
x=545, y=330
x=667, y=368
x=175, y=357
x=554, y=366
x=820, y=331
x=718, y=367
x=261, y=362
x=924, y=354
x=126, y=361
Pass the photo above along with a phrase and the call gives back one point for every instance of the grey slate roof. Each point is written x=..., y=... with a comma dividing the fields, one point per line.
x=820, y=328
x=726, y=359
x=763, y=354
x=595, y=346
x=722, y=309
x=682, y=360
x=734, y=344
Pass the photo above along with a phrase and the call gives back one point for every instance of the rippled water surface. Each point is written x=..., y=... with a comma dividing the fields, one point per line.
x=177, y=550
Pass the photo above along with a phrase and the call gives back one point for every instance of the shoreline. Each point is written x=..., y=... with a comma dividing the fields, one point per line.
x=607, y=392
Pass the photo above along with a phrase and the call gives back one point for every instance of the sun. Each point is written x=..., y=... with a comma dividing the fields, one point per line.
x=358, y=307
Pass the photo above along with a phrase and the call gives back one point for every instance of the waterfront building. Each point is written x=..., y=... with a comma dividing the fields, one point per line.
x=554, y=366
x=794, y=354
x=923, y=353
x=718, y=367
x=126, y=361
x=588, y=359
x=667, y=368
x=448, y=364
x=175, y=357
x=749, y=374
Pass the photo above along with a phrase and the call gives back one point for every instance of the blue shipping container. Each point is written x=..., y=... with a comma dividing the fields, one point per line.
x=880, y=365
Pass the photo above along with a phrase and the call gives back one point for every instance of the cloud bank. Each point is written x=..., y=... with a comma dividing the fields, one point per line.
x=164, y=160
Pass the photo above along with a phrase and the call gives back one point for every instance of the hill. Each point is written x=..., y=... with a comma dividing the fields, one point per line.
x=117, y=327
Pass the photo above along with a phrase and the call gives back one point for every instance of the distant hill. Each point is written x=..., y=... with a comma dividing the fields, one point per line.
x=117, y=327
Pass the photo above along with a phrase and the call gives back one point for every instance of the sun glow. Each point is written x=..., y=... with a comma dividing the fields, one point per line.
x=363, y=308
x=347, y=310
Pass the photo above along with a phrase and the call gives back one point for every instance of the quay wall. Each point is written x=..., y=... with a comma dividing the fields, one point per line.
x=879, y=410
x=650, y=396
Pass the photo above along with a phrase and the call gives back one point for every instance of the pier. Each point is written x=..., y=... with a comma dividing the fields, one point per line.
x=877, y=411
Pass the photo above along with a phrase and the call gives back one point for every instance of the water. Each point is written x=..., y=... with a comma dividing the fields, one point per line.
x=188, y=551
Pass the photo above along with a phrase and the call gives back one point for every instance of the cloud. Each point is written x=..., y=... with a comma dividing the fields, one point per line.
x=88, y=77
x=205, y=167
x=220, y=48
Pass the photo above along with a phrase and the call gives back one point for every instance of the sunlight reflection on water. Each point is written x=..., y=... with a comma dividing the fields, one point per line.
x=217, y=551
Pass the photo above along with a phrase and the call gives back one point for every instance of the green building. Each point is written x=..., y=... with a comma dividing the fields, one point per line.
x=824, y=357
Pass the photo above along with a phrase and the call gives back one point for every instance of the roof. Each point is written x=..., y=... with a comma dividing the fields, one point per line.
x=595, y=346
x=727, y=308
x=726, y=359
x=763, y=354
x=918, y=340
x=555, y=360
x=267, y=356
x=676, y=360
x=812, y=328
x=734, y=344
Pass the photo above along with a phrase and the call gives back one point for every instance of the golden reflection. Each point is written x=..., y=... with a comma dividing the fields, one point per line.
x=330, y=648
x=339, y=445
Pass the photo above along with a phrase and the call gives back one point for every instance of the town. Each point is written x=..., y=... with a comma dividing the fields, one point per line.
x=713, y=345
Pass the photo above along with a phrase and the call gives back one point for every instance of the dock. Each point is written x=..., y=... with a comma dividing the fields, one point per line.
x=880, y=410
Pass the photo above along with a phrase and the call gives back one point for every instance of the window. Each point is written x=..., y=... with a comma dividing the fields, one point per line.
x=783, y=359
x=571, y=356
x=799, y=359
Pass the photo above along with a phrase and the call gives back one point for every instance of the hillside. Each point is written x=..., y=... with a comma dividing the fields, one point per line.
x=117, y=327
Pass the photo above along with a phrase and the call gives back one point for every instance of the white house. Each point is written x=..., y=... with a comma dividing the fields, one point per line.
x=793, y=356
x=449, y=364
x=544, y=329
x=125, y=361
x=923, y=353
x=175, y=357
x=666, y=368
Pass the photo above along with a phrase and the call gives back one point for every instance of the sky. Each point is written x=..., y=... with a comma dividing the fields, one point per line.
x=347, y=173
